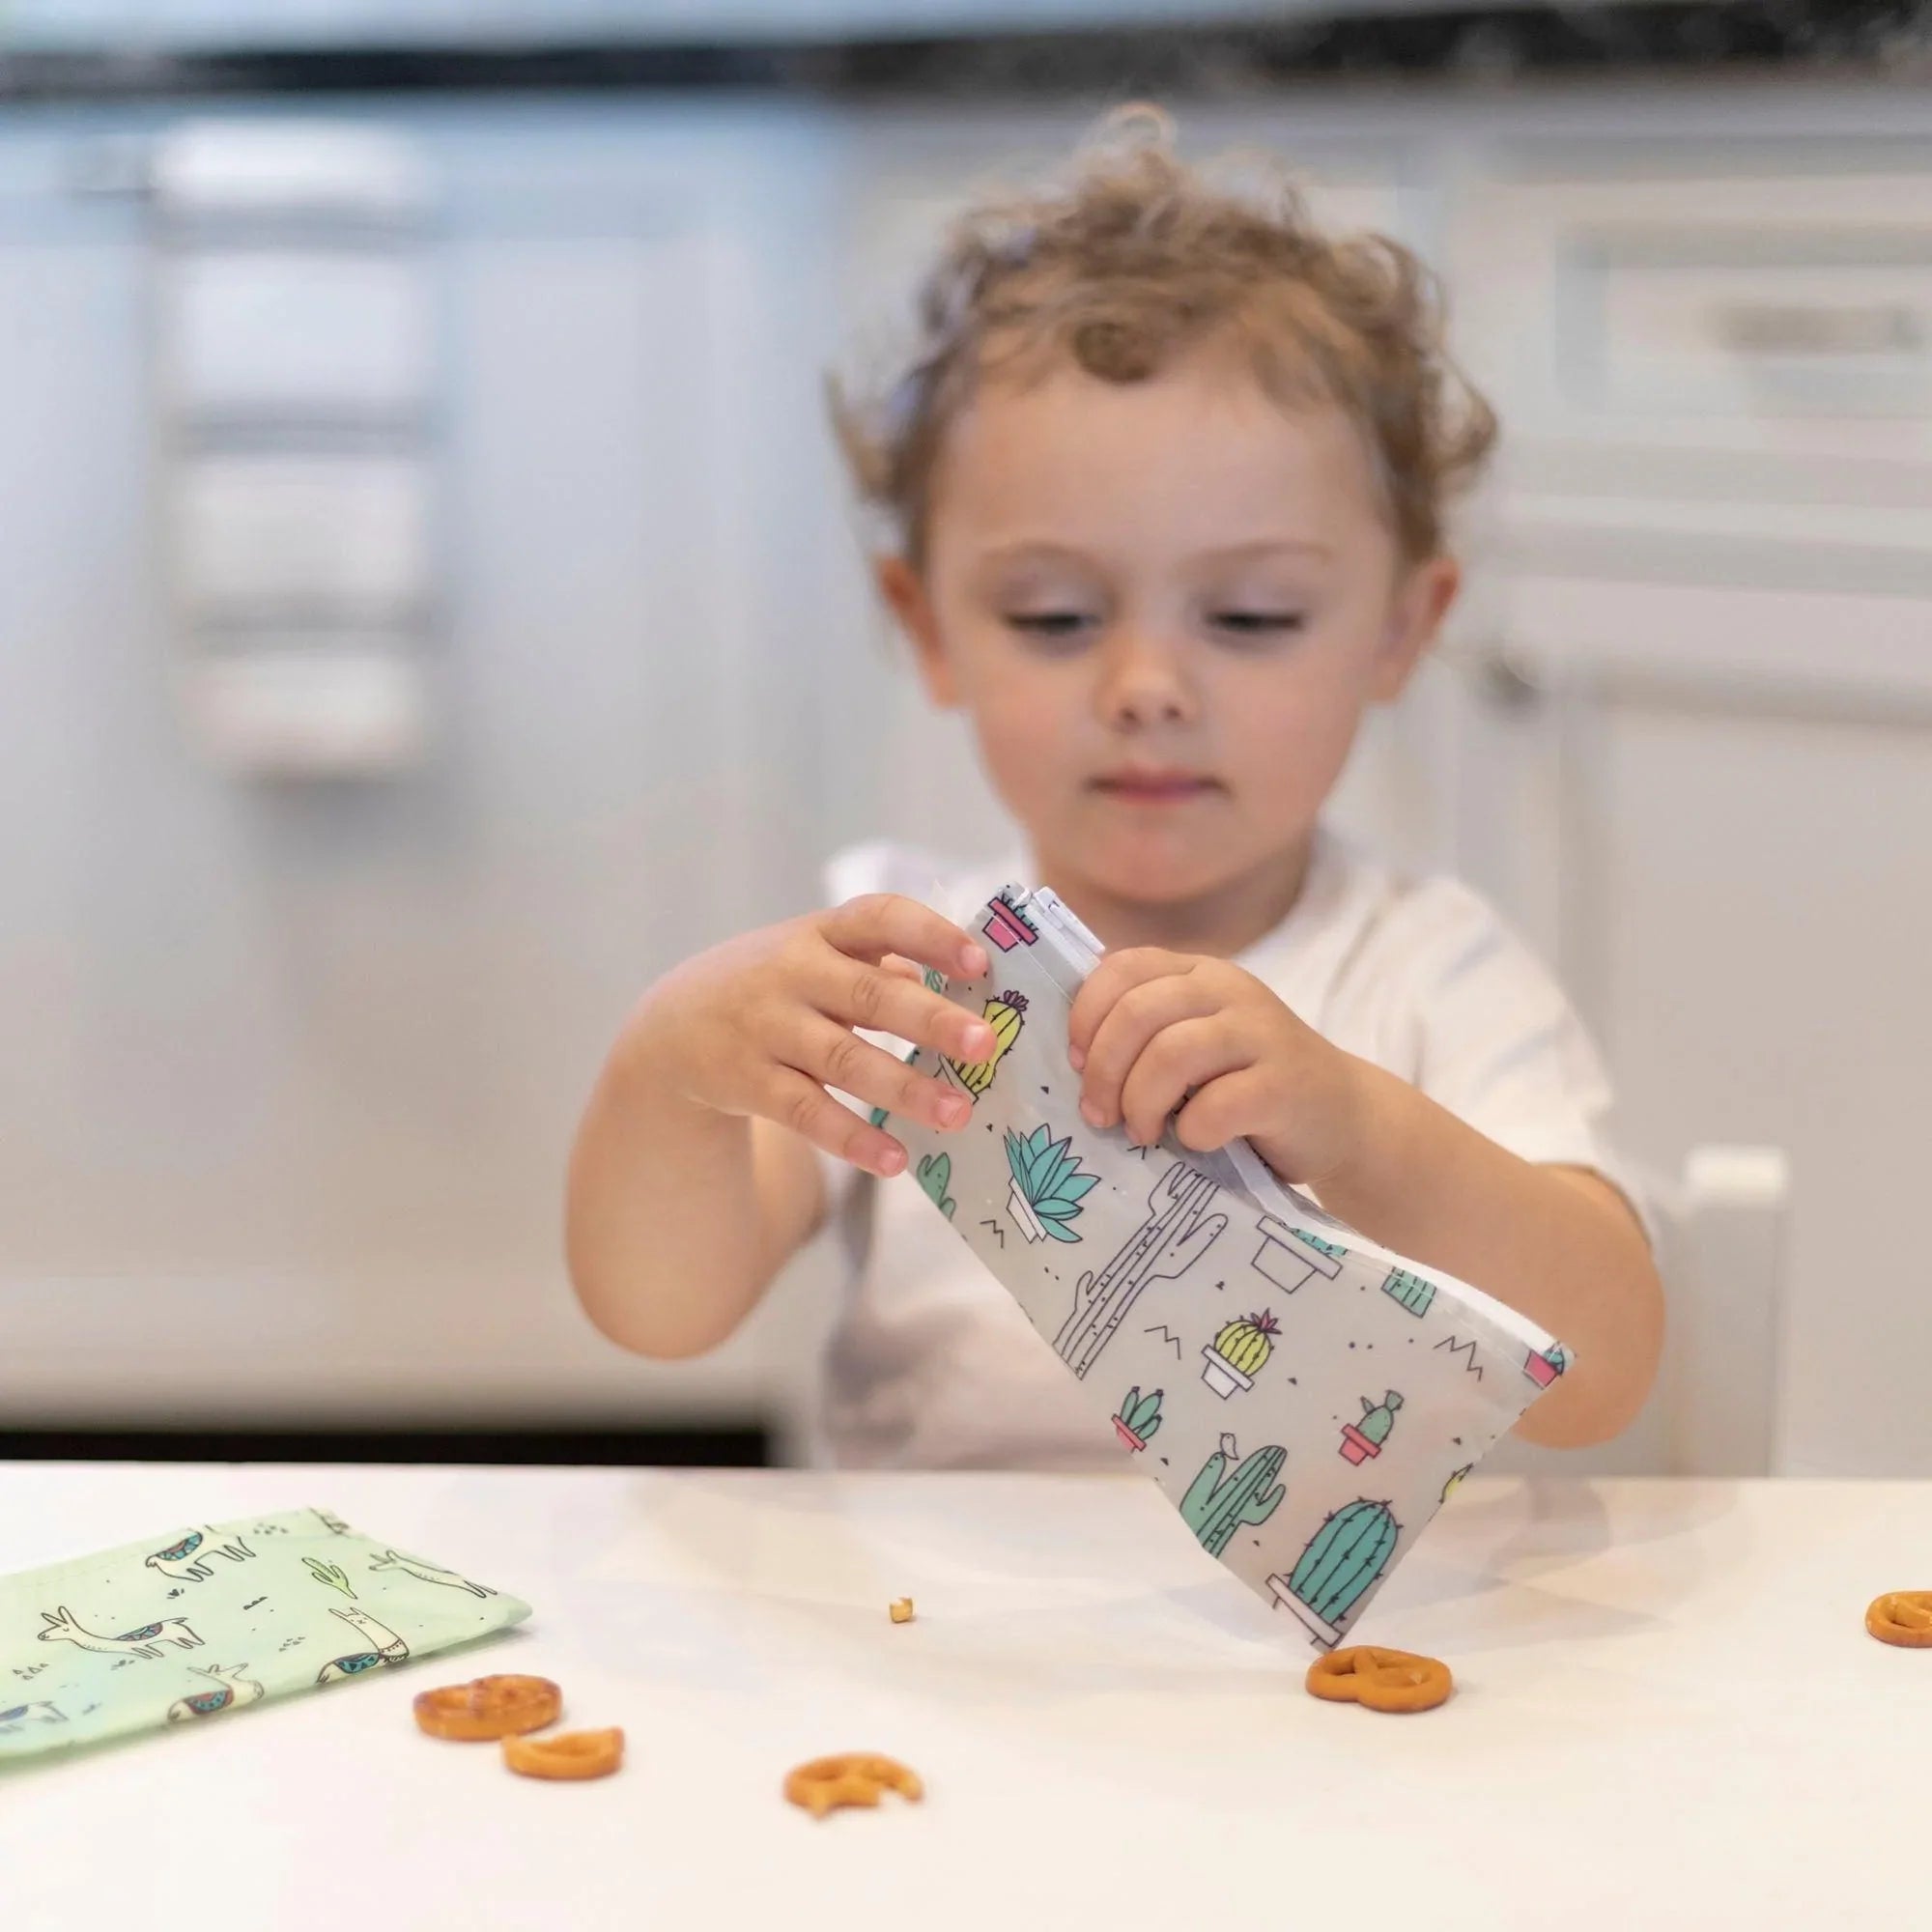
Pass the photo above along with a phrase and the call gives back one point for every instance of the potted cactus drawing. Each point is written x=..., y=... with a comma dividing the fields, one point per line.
x=1409, y=1291
x=1233, y=1489
x=1343, y=1562
x=1004, y=1015
x=1139, y=1418
x=1364, y=1439
x=1238, y=1354
x=1007, y=926
x=1542, y=1368
x=1048, y=1184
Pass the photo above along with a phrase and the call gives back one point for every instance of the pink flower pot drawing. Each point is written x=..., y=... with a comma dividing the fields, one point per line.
x=1355, y=1446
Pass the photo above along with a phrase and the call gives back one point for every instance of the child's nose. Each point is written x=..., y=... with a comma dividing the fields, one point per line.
x=1143, y=683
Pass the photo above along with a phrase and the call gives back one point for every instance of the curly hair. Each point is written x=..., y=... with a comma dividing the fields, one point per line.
x=1134, y=259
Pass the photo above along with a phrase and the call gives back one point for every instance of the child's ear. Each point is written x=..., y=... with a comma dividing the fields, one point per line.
x=1422, y=601
x=905, y=593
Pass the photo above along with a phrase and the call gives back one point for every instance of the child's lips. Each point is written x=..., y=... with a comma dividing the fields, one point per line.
x=1155, y=787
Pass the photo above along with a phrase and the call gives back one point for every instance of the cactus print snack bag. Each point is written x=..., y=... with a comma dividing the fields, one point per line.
x=1306, y=1399
x=193, y=1624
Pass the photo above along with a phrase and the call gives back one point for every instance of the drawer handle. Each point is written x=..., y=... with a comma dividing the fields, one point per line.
x=1776, y=328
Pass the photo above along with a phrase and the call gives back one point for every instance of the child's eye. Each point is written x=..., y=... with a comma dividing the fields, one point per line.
x=1257, y=623
x=1055, y=624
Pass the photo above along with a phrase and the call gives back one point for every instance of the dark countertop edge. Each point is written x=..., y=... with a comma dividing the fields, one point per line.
x=1476, y=44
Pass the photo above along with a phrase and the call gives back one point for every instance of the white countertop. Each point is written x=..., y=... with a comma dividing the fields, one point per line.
x=1669, y=1716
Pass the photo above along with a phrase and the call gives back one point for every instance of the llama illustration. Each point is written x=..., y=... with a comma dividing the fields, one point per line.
x=387, y=1648
x=231, y=1691
x=187, y=1561
x=427, y=1572
x=37, y=1713
x=64, y=1627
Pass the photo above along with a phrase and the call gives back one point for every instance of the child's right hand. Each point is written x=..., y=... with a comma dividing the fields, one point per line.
x=760, y=1026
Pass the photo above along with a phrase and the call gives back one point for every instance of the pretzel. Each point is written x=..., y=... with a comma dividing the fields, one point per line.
x=1903, y=1617
x=852, y=1778
x=489, y=1707
x=1383, y=1680
x=900, y=1609
x=569, y=1754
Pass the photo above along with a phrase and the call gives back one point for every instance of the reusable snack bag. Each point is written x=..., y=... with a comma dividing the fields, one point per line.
x=196, y=1623
x=1306, y=1399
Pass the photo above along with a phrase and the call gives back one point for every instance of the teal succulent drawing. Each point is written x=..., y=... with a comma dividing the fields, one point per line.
x=1343, y=1561
x=935, y=1177
x=1048, y=1184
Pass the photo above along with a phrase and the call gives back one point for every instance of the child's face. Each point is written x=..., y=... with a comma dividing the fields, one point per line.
x=1165, y=606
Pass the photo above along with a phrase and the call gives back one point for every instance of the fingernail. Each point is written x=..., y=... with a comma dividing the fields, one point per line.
x=890, y=1163
x=1092, y=1115
x=980, y=1039
x=1076, y=1057
x=973, y=963
x=954, y=1109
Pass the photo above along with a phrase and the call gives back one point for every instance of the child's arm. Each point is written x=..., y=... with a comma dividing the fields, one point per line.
x=693, y=1178
x=1154, y=1032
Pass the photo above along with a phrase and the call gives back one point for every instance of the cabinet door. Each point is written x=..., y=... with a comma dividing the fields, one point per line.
x=291, y=1070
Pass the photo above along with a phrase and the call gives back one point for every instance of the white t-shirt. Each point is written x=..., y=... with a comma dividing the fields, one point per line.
x=932, y=1365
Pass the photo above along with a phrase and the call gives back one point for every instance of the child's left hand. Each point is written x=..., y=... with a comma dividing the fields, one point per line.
x=1152, y=1031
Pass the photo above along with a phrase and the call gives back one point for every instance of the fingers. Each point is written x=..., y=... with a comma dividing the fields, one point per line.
x=883, y=1001
x=837, y=1058
x=1138, y=1016
x=1222, y=1111
x=1116, y=975
x=1179, y=1058
x=812, y=1113
x=869, y=927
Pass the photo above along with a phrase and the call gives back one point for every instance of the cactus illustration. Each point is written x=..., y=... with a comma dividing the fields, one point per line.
x=1007, y=926
x=1343, y=1561
x=935, y=1177
x=1233, y=1489
x=1457, y=1478
x=1177, y=1233
x=1364, y=1439
x=1410, y=1291
x=1048, y=1184
x=1139, y=1418
x=1543, y=1367
x=1289, y=1257
x=1004, y=1015
x=935, y=980
x=1238, y=1354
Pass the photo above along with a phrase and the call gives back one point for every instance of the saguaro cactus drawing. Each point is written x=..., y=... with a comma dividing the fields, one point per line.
x=1232, y=1490
x=1364, y=1439
x=1139, y=1418
x=935, y=1177
x=1177, y=1231
x=1238, y=1353
x=1341, y=1563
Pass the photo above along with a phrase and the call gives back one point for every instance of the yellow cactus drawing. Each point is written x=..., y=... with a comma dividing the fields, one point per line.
x=1005, y=1016
x=1239, y=1352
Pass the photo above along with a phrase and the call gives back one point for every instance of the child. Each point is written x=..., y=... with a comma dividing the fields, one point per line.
x=1165, y=483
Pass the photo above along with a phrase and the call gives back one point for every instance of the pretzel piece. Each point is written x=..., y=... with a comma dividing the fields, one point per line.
x=1381, y=1680
x=1903, y=1617
x=850, y=1778
x=488, y=1708
x=569, y=1754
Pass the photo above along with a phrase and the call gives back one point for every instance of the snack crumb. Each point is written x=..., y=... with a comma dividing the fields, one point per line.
x=901, y=1610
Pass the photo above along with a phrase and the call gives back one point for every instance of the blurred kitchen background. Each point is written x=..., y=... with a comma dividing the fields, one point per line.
x=429, y=608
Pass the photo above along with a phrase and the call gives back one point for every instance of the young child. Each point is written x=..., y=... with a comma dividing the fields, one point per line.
x=1166, y=481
